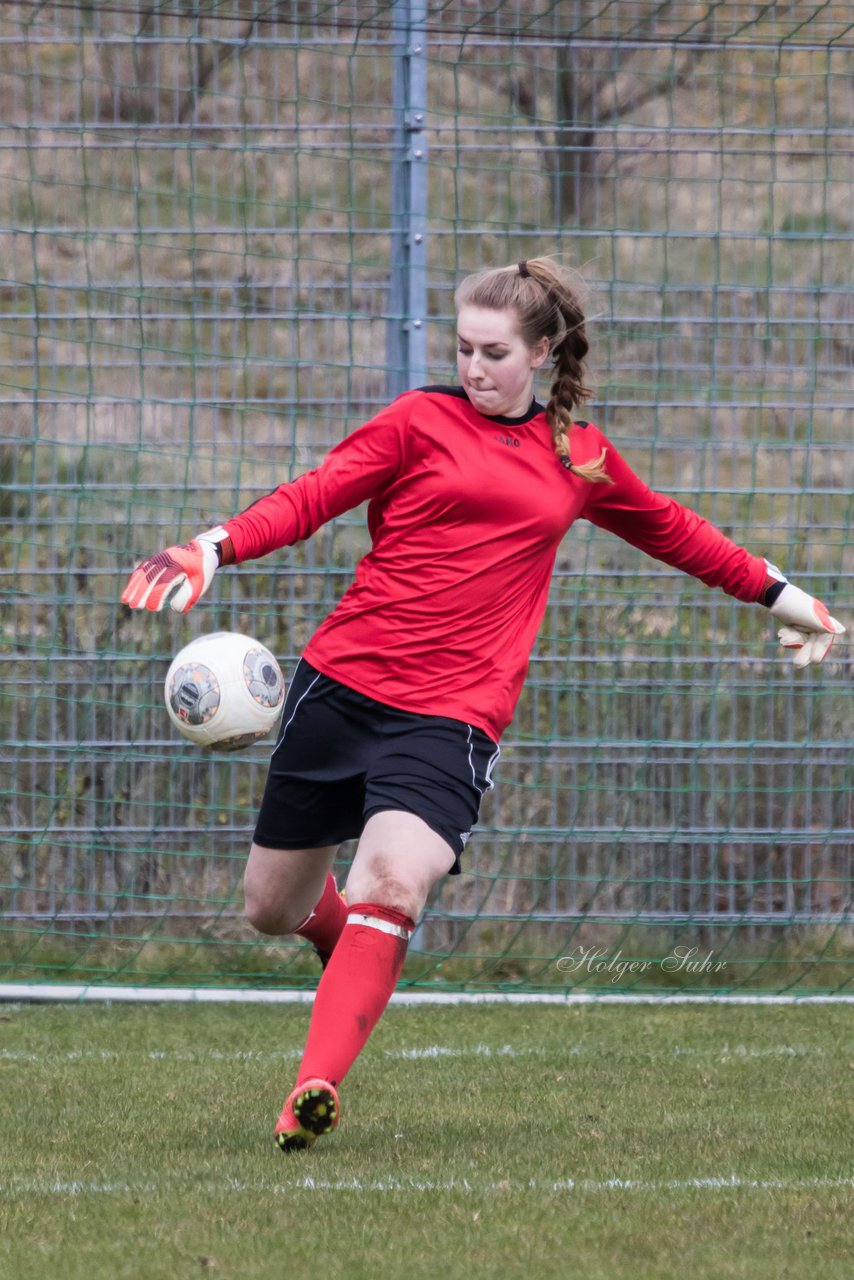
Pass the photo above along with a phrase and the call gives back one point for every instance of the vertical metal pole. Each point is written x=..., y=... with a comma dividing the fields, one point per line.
x=406, y=341
x=406, y=344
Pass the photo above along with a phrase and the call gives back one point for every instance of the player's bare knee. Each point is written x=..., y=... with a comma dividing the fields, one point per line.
x=379, y=883
x=273, y=919
x=259, y=916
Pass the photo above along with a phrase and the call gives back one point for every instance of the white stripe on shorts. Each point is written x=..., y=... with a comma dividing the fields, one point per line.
x=295, y=710
x=493, y=761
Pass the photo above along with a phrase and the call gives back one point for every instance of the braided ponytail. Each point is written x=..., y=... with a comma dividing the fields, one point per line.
x=541, y=294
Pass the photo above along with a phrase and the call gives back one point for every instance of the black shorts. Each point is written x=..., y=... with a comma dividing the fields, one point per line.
x=341, y=757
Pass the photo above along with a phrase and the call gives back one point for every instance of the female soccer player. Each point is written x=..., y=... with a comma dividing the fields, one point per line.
x=391, y=725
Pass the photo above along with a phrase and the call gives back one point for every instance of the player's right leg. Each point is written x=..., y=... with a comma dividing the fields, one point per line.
x=282, y=886
x=294, y=891
x=312, y=802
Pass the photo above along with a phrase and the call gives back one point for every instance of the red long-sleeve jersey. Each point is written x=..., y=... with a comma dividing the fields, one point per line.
x=465, y=516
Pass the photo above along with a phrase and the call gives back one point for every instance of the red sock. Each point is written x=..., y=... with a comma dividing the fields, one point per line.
x=355, y=988
x=323, y=927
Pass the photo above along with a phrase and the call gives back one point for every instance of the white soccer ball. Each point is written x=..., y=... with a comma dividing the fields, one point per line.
x=224, y=691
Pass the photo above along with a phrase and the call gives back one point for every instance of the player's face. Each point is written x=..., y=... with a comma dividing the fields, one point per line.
x=495, y=365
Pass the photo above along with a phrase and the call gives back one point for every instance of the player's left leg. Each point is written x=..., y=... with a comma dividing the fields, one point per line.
x=398, y=860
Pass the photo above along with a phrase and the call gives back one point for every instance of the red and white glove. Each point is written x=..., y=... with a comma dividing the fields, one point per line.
x=807, y=624
x=178, y=576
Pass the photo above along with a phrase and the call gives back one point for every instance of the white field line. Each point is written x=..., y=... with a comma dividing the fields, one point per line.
x=540, y=1186
x=722, y=1053
x=67, y=992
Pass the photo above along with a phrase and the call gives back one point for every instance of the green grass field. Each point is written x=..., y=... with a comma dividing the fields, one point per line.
x=595, y=1141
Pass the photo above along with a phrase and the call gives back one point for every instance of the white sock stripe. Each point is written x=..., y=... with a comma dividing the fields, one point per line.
x=306, y=921
x=377, y=922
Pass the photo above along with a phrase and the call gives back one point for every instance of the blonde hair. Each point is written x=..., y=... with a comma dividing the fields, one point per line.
x=541, y=294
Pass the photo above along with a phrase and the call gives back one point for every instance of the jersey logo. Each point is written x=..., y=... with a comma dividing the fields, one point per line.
x=511, y=441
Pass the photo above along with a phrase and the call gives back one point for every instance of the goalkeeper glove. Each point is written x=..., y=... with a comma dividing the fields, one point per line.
x=807, y=624
x=179, y=576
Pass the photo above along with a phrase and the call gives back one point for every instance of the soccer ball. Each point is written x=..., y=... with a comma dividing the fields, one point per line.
x=224, y=691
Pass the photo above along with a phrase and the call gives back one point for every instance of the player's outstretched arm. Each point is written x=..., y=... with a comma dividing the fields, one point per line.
x=807, y=626
x=180, y=575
